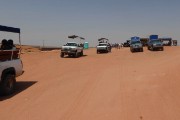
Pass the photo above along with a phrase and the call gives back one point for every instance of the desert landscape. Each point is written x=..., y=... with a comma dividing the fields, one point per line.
x=116, y=86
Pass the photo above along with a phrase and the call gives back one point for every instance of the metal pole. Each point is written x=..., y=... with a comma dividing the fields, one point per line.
x=20, y=44
x=43, y=43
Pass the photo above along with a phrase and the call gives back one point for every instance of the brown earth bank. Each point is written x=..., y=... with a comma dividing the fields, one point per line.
x=28, y=48
x=116, y=86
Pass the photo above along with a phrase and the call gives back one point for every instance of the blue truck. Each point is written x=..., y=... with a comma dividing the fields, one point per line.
x=155, y=43
x=136, y=45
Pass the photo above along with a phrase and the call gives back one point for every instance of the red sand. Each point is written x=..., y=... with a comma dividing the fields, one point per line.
x=117, y=86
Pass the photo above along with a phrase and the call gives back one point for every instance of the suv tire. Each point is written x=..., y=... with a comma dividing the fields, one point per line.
x=76, y=55
x=62, y=55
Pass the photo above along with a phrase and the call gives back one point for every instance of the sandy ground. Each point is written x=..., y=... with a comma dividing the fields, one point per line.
x=117, y=86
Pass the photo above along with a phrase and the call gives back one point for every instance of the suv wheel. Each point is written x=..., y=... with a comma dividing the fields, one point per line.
x=8, y=84
x=76, y=55
x=62, y=55
x=162, y=49
x=107, y=50
x=132, y=50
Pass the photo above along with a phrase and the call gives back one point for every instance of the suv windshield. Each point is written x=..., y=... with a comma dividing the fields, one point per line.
x=71, y=44
x=156, y=42
x=135, y=42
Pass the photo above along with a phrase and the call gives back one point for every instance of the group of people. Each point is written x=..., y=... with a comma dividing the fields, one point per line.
x=117, y=45
x=7, y=45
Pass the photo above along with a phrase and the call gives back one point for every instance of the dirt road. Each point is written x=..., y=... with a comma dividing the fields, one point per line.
x=117, y=86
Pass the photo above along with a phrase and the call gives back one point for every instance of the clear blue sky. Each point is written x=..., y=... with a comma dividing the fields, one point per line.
x=117, y=20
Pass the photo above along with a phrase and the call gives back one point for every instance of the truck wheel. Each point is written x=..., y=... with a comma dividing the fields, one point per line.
x=97, y=52
x=62, y=55
x=8, y=84
x=162, y=49
x=152, y=49
x=148, y=47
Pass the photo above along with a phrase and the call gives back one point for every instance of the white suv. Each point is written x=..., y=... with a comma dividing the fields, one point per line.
x=72, y=49
x=103, y=47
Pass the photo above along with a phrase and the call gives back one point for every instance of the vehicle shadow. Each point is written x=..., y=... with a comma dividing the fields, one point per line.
x=156, y=50
x=84, y=56
x=74, y=57
x=20, y=87
x=104, y=52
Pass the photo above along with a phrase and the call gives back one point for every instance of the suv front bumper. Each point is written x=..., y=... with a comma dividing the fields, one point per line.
x=68, y=51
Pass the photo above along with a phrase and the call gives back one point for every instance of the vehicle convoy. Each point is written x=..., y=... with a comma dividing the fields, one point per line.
x=103, y=47
x=10, y=63
x=155, y=45
x=72, y=49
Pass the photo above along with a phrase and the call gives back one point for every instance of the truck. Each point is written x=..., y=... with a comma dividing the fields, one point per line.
x=11, y=65
x=155, y=45
x=136, y=45
x=72, y=49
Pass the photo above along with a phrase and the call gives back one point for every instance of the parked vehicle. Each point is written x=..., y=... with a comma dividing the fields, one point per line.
x=136, y=46
x=72, y=49
x=155, y=45
x=103, y=47
x=10, y=64
x=126, y=44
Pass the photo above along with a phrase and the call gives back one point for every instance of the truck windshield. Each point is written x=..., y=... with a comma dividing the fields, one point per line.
x=135, y=42
x=156, y=41
x=71, y=44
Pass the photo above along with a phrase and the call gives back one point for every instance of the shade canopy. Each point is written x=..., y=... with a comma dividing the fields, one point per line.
x=72, y=36
x=9, y=29
x=102, y=39
x=75, y=36
x=82, y=38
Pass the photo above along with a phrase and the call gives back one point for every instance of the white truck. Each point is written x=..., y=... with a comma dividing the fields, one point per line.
x=103, y=47
x=10, y=65
x=72, y=49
